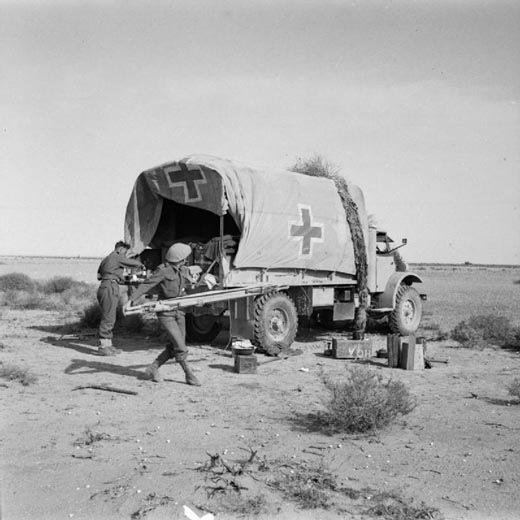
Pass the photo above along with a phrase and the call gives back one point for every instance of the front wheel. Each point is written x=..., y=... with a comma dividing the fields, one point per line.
x=276, y=321
x=406, y=316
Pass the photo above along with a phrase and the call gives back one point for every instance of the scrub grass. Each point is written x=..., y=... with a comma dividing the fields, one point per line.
x=19, y=291
x=486, y=330
x=13, y=372
x=17, y=282
x=310, y=485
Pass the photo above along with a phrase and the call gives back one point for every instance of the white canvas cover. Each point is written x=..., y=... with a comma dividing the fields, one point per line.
x=287, y=220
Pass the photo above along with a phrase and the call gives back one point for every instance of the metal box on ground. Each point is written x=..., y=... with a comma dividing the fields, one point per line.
x=351, y=348
x=246, y=364
x=412, y=355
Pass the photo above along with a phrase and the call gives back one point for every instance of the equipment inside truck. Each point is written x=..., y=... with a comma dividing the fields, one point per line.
x=204, y=231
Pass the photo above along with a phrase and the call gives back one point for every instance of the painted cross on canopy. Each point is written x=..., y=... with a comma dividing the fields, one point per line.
x=305, y=231
x=180, y=176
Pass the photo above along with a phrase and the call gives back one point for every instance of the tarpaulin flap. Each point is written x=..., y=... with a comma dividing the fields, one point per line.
x=286, y=219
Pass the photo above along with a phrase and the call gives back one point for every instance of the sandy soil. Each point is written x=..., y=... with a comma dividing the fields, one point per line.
x=457, y=451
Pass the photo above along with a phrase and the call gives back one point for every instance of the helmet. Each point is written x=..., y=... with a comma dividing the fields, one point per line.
x=178, y=252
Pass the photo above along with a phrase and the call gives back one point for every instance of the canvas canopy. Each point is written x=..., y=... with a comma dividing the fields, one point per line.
x=286, y=220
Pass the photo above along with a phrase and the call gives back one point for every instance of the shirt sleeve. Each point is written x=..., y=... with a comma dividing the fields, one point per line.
x=130, y=262
x=156, y=278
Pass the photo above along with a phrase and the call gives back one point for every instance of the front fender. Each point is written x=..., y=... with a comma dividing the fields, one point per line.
x=387, y=299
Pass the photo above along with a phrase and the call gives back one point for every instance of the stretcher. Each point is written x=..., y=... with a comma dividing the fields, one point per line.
x=202, y=298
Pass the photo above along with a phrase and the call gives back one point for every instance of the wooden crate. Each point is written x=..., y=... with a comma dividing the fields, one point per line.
x=246, y=364
x=351, y=348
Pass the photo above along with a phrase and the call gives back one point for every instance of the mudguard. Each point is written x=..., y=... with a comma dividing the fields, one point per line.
x=387, y=299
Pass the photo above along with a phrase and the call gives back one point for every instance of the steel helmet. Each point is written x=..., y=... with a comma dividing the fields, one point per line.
x=178, y=252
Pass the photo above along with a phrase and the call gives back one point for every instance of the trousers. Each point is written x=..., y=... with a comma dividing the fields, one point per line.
x=174, y=324
x=108, y=298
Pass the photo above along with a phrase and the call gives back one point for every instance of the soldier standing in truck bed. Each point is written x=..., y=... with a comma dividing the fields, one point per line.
x=110, y=272
x=172, y=277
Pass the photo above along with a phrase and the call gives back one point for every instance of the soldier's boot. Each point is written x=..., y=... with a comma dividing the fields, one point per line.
x=190, y=376
x=153, y=372
x=106, y=348
x=153, y=369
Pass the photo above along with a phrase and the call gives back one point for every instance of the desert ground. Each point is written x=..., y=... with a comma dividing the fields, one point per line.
x=86, y=453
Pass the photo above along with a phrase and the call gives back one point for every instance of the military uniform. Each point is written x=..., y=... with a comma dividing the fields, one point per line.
x=110, y=272
x=172, y=281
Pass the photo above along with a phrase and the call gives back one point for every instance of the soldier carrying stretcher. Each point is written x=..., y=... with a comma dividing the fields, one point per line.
x=172, y=277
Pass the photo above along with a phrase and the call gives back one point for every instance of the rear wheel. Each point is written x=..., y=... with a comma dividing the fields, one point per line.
x=204, y=328
x=276, y=321
x=406, y=316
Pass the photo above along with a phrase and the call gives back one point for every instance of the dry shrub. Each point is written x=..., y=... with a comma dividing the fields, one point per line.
x=70, y=300
x=19, y=291
x=27, y=300
x=13, y=372
x=486, y=330
x=242, y=506
x=514, y=388
x=17, y=282
x=434, y=332
x=90, y=437
x=309, y=484
x=91, y=317
x=364, y=402
x=391, y=506
x=59, y=284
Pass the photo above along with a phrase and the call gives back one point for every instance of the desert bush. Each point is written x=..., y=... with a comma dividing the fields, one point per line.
x=59, y=284
x=90, y=437
x=242, y=506
x=485, y=330
x=514, y=388
x=308, y=484
x=391, y=506
x=17, y=282
x=364, y=402
x=13, y=372
x=91, y=316
x=28, y=300
x=434, y=332
x=132, y=323
x=19, y=291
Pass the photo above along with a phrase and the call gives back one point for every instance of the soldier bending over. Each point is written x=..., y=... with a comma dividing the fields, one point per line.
x=110, y=272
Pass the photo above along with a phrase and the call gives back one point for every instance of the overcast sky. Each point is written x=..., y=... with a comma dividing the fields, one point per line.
x=416, y=101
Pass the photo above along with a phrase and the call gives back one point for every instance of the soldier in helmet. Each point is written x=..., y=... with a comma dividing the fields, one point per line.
x=110, y=273
x=172, y=277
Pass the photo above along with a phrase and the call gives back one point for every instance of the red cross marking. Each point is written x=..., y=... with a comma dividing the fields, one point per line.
x=188, y=180
x=304, y=231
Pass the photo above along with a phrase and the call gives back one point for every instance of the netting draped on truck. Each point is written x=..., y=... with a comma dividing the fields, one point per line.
x=286, y=220
x=353, y=217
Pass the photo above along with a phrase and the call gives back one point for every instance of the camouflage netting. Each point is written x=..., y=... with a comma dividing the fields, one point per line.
x=316, y=167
